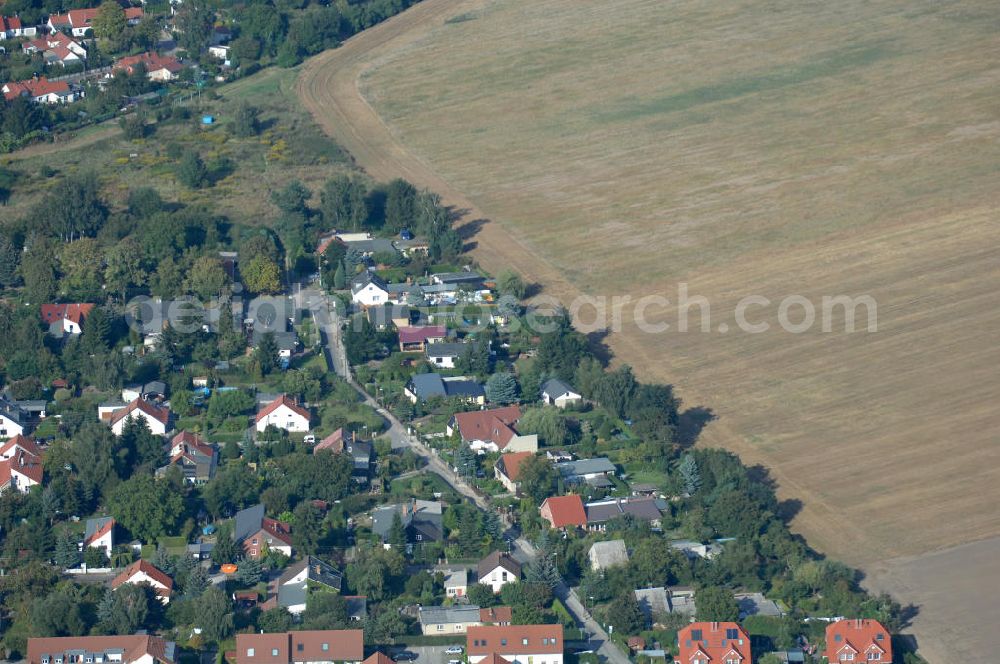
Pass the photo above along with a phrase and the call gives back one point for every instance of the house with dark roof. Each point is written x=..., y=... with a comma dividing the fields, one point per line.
x=858, y=640
x=713, y=642
x=99, y=532
x=310, y=574
x=397, y=315
x=493, y=430
x=558, y=393
x=340, y=646
x=13, y=420
x=142, y=571
x=422, y=520
x=640, y=509
x=120, y=649
x=257, y=533
x=498, y=569
x=369, y=290
x=656, y=603
x=422, y=387
x=443, y=620
x=444, y=354
x=594, y=471
x=287, y=342
x=196, y=458
x=564, y=511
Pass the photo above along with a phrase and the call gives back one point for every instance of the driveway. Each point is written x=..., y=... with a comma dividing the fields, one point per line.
x=434, y=654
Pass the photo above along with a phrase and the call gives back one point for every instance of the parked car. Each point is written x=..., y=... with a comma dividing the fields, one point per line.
x=405, y=234
x=404, y=656
x=454, y=650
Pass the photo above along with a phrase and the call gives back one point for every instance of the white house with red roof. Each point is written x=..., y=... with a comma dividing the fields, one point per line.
x=858, y=640
x=157, y=418
x=123, y=649
x=158, y=67
x=492, y=430
x=20, y=464
x=283, y=413
x=144, y=572
x=722, y=642
x=99, y=533
x=78, y=21
x=40, y=91
x=196, y=458
x=518, y=644
x=57, y=48
x=564, y=511
x=12, y=28
x=65, y=318
x=257, y=533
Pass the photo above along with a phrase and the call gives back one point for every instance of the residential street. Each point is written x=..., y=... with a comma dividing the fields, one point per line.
x=329, y=326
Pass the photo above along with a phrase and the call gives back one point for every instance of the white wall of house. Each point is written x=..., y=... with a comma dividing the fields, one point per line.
x=69, y=327
x=498, y=578
x=20, y=481
x=285, y=418
x=551, y=658
x=9, y=428
x=155, y=426
x=105, y=541
x=433, y=629
x=444, y=361
x=370, y=295
x=142, y=577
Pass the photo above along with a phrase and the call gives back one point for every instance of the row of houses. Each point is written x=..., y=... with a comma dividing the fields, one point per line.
x=569, y=511
x=370, y=290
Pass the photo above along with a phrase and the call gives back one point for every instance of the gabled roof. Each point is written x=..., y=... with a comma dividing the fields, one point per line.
x=378, y=658
x=510, y=464
x=25, y=464
x=642, y=508
x=317, y=571
x=190, y=442
x=11, y=411
x=10, y=23
x=339, y=645
x=247, y=522
x=497, y=559
x=445, y=349
x=97, y=528
x=283, y=400
x=449, y=615
x=161, y=415
x=495, y=425
x=362, y=280
x=143, y=567
x=152, y=62
x=717, y=641
x=496, y=614
x=277, y=529
x=20, y=442
x=566, y=511
x=610, y=553
x=75, y=312
x=421, y=333
x=582, y=467
x=516, y=640
x=130, y=648
x=860, y=635
x=334, y=442
x=555, y=388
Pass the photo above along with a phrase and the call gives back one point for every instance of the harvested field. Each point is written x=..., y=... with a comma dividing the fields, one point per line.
x=750, y=148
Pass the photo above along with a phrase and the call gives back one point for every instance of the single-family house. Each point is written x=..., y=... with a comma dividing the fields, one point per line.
x=369, y=290
x=41, y=90
x=564, y=511
x=422, y=387
x=257, y=533
x=118, y=649
x=416, y=338
x=467, y=277
x=557, y=393
x=656, y=603
x=13, y=420
x=99, y=532
x=441, y=620
x=283, y=413
x=693, y=549
x=444, y=354
x=406, y=292
x=107, y=409
x=287, y=342
x=498, y=569
x=640, y=509
x=20, y=465
x=508, y=469
x=422, y=520
x=142, y=571
x=11, y=27
x=152, y=391
x=496, y=615
x=336, y=442
x=157, y=418
x=594, y=472
x=755, y=604
x=56, y=48
x=518, y=644
x=603, y=555
x=196, y=458
x=857, y=640
x=79, y=22
x=492, y=430
x=219, y=52
x=65, y=318
x=340, y=646
x=362, y=454
x=310, y=574
x=157, y=67
x=723, y=642
x=456, y=582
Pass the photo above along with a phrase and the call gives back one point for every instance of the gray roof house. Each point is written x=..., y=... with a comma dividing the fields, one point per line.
x=426, y=386
x=287, y=342
x=585, y=470
x=421, y=518
x=444, y=354
x=558, y=393
x=755, y=604
x=297, y=580
x=603, y=555
x=456, y=278
x=656, y=602
x=247, y=522
x=448, y=619
x=640, y=509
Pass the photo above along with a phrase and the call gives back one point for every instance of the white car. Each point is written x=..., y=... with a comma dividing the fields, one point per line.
x=454, y=650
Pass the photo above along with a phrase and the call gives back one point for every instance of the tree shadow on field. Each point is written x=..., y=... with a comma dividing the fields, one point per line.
x=598, y=345
x=691, y=422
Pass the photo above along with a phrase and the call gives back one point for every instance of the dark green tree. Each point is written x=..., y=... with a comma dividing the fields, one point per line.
x=538, y=478
x=245, y=123
x=716, y=604
x=626, y=615
x=501, y=388
x=266, y=354
x=397, y=533
x=191, y=171
x=214, y=614
x=400, y=205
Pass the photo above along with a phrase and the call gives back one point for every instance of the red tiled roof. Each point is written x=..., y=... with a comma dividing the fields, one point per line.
x=159, y=414
x=541, y=640
x=565, y=511
x=10, y=23
x=20, y=441
x=496, y=614
x=277, y=528
x=28, y=465
x=4, y=474
x=152, y=62
x=494, y=659
x=190, y=442
x=421, y=333
x=378, y=658
x=859, y=636
x=135, y=646
x=100, y=532
x=35, y=88
x=495, y=425
x=341, y=645
x=510, y=464
x=283, y=400
x=141, y=566
x=75, y=311
x=334, y=442
x=717, y=642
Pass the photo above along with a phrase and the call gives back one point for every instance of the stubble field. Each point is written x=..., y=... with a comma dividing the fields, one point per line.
x=744, y=148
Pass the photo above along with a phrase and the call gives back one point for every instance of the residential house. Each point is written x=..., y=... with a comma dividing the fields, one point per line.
x=857, y=639
x=142, y=571
x=156, y=418
x=603, y=555
x=11, y=28
x=287, y=342
x=340, y=646
x=379, y=658
x=594, y=472
x=258, y=533
x=151, y=391
x=498, y=569
x=357, y=607
x=492, y=431
x=468, y=278
x=456, y=582
x=508, y=469
x=158, y=67
x=335, y=442
x=564, y=511
x=33, y=409
x=496, y=615
x=369, y=290
x=755, y=604
x=219, y=52
x=441, y=620
x=107, y=409
x=310, y=574
x=362, y=454
x=99, y=532
x=283, y=413
x=557, y=393
x=406, y=292
x=659, y=602
x=416, y=339
x=640, y=509
x=398, y=315
x=20, y=465
x=422, y=520
x=518, y=644
x=59, y=49
x=196, y=458
x=422, y=387
x=119, y=649
x=713, y=642
x=13, y=420
x=79, y=22
x=41, y=91
x=693, y=549
x=443, y=354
